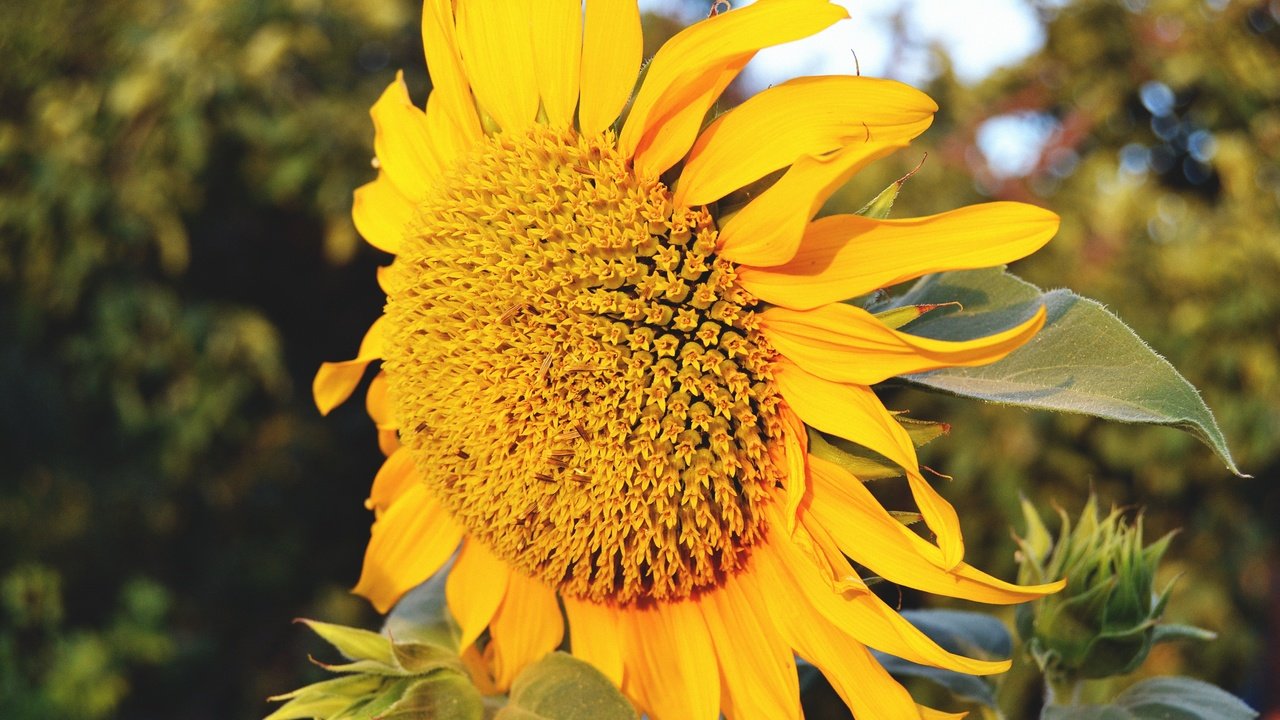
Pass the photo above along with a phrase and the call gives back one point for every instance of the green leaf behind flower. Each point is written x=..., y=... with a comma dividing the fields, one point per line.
x=1161, y=698
x=562, y=687
x=1085, y=360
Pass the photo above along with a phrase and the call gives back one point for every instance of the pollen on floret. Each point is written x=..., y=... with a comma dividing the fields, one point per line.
x=579, y=376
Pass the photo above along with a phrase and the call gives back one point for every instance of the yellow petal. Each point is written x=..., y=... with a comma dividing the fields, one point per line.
x=666, y=147
x=412, y=539
x=868, y=534
x=448, y=80
x=381, y=213
x=557, y=45
x=757, y=671
x=402, y=143
x=388, y=441
x=854, y=674
x=862, y=616
x=670, y=665
x=770, y=228
x=335, y=381
x=526, y=627
x=795, y=450
x=806, y=116
x=377, y=404
x=448, y=141
x=855, y=413
x=497, y=50
x=844, y=256
x=397, y=474
x=846, y=344
x=612, y=48
x=677, y=80
x=594, y=636
x=475, y=588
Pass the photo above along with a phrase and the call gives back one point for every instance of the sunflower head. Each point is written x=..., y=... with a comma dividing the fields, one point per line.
x=578, y=373
x=599, y=377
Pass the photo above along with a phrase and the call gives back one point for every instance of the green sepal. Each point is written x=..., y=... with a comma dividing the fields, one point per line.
x=899, y=316
x=353, y=643
x=882, y=204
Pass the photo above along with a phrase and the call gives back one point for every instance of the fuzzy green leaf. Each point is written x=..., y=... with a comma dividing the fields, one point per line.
x=444, y=695
x=562, y=687
x=1161, y=698
x=1085, y=360
x=422, y=616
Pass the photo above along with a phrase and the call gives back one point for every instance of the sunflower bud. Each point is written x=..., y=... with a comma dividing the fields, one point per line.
x=1104, y=622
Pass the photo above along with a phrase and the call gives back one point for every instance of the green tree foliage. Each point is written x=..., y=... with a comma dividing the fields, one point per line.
x=174, y=231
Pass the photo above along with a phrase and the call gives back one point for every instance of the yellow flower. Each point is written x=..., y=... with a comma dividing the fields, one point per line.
x=596, y=379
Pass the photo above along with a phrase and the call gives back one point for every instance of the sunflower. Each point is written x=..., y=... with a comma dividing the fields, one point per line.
x=601, y=358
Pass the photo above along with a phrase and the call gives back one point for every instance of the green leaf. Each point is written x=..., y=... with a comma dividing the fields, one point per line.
x=422, y=616
x=1085, y=360
x=309, y=707
x=562, y=687
x=965, y=633
x=444, y=695
x=352, y=686
x=1161, y=698
x=353, y=643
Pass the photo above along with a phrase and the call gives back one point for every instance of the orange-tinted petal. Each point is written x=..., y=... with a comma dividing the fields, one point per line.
x=612, y=47
x=412, y=539
x=697, y=58
x=844, y=256
x=860, y=615
x=855, y=413
x=802, y=117
x=868, y=534
x=771, y=227
x=854, y=674
x=475, y=588
x=670, y=666
x=846, y=344
x=594, y=636
x=335, y=381
x=757, y=671
x=526, y=627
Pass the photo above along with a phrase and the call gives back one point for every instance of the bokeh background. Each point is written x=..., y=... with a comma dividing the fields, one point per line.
x=176, y=258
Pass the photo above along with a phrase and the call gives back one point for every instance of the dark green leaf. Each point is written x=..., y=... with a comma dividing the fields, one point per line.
x=1161, y=698
x=561, y=687
x=1085, y=360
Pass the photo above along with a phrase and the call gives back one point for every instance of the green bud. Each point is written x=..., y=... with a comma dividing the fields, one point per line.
x=1104, y=623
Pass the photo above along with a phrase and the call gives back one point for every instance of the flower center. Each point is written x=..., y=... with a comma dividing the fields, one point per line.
x=579, y=376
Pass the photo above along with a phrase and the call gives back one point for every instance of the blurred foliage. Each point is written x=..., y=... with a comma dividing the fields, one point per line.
x=176, y=258
x=174, y=234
